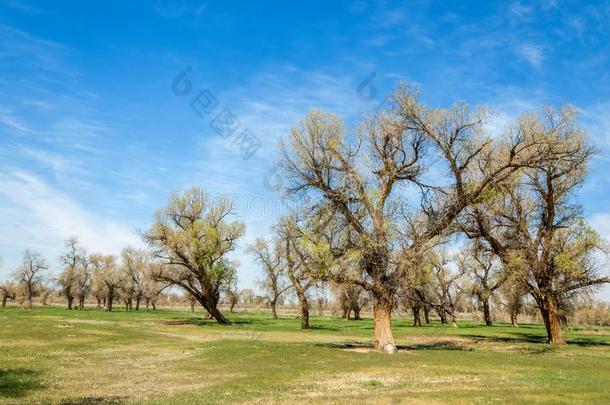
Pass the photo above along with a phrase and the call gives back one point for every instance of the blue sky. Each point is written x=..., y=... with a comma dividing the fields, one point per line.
x=92, y=137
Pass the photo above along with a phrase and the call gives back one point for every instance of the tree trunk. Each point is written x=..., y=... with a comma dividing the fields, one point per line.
x=232, y=303
x=487, y=312
x=549, y=309
x=109, y=299
x=416, y=316
x=81, y=302
x=147, y=302
x=426, y=314
x=138, y=298
x=382, y=319
x=356, y=313
x=273, y=305
x=192, y=306
x=513, y=318
x=4, y=298
x=210, y=305
x=70, y=300
x=304, y=313
x=153, y=305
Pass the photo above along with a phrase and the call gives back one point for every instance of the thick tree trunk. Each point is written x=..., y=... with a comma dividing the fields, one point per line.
x=442, y=315
x=81, y=302
x=70, y=300
x=138, y=298
x=147, y=302
x=273, y=305
x=426, y=313
x=304, y=313
x=382, y=319
x=549, y=309
x=153, y=305
x=192, y=306
x=4, y=298
x=487, y=312
x=210, y=304
x=416, y=316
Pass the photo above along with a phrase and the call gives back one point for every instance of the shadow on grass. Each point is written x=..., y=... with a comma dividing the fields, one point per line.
x=17, y=382
x=109, y=400
x=440, y=345
x=523, y=337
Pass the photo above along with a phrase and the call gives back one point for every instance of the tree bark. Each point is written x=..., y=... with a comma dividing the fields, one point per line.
x=513, y=318
x=4, y=298
x=70, y=300
x=487, y=312
x=273, y=305
x=382, y=319
x=416, y=316
x=109, y=299
x=426, y=314
x=147, y=302
x=211, y=305
x=138, y=298
x=549, y=309
x=304, y=312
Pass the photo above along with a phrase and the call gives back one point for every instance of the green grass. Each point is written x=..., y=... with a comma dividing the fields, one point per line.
x=52, y=355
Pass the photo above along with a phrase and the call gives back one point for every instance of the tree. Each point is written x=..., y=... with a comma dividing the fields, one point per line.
x=71, y=261
x=362, y=180
x=29, y=274
x=486, y=274
x=192, y=236
x=299, y=263
x=8, y=291
x=108, y=275
x=535, y=226
x=134, y=263
x=268, y=254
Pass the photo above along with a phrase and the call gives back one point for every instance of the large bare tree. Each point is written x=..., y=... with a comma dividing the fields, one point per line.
x=398, y=183
x=192, y=237
x=536, y=227
x=108, y=277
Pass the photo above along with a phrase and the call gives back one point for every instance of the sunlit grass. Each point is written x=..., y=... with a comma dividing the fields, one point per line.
x=52, y=355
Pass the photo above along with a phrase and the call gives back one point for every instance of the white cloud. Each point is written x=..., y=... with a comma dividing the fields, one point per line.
x=532, y=53
x=34, y=215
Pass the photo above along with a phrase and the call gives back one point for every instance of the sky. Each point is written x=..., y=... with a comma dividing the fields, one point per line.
x=108, y=106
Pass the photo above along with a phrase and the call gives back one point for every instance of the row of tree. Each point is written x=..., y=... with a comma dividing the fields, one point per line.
x=380, y=207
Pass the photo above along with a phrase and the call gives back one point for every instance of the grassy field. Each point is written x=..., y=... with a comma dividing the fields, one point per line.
x=52, y=355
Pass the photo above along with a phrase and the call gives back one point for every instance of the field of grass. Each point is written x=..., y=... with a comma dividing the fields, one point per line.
x=52, y=355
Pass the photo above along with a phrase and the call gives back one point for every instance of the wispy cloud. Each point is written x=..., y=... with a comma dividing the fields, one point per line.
x=534, y=54
x=43, y=217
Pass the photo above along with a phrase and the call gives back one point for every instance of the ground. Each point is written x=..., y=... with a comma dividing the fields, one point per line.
x=52, y=355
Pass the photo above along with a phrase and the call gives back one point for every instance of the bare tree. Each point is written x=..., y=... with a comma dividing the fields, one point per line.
x=268, y=254
x=134, y=264
x=191, y=236
x=486, y=274
x=71, y=261
x=361, y=180
x=8, y=291
x=536, y=227
x=108, y=275
x=299, y=263
x=29, y=274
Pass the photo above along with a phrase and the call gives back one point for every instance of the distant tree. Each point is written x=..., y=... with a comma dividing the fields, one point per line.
x=299, y=262
x=192, y=236
x=8, y=291
x=29, y=275
x=71, y=261
x=486, y=274
x=134, y=264
x=109, y=276
x=274, y=283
